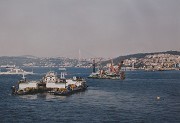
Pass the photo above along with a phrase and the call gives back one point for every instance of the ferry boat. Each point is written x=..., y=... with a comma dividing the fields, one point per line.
x=110, y=73
x=16, y=71
x=63, y=86
x=51, y=83
x=25, y=87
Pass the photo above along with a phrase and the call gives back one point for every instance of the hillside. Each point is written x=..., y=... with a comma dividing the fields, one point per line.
x=140, y=55
x=29, y=60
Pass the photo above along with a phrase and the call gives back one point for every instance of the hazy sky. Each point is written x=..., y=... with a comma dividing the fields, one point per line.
x=106, y=28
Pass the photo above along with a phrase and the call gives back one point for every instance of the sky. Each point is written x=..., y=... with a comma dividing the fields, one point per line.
x=99, y=28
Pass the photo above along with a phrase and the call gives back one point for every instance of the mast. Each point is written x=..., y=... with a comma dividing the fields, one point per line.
x=94, y=66
x=112, y=69
x=119, y=67
x=24, y=78
x=62, y=75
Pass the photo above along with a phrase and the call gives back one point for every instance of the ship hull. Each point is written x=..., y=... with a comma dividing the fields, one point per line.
x=69, y=92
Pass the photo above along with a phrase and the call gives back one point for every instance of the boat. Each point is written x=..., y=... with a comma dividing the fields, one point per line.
x=51, y=83
x=62, y=68
x=62, y=86
x=8, y=66
x=111, y=73
x=25, y=87
x=16, y=71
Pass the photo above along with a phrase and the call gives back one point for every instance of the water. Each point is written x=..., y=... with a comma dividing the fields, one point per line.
x=133, y=100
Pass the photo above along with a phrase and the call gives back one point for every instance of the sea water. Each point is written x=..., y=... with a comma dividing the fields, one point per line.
x=143, y=97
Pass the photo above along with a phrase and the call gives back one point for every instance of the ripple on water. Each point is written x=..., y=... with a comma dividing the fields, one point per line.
x=133, y=100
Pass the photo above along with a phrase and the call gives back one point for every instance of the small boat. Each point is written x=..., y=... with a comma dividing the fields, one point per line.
x=16, y=71
x=62, y=68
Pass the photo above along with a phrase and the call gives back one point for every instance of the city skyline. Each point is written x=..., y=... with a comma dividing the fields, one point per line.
x=106, y=28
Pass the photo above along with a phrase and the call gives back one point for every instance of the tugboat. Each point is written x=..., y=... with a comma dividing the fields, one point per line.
x=111, y=73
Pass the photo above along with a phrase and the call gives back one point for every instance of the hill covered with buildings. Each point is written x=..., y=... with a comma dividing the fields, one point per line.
x=151, y=61
x=148, y=61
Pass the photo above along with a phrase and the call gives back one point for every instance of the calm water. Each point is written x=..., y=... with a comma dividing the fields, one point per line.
x=132, y=100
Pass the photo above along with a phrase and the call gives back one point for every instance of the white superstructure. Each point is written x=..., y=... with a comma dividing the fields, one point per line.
x=30, y=84
x=52, y=81
x=75, y=80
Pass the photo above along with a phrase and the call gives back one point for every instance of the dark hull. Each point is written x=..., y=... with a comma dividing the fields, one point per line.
x=114, y=78
x=61, y=93
x=34, y=91
x=69, y=92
